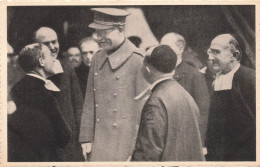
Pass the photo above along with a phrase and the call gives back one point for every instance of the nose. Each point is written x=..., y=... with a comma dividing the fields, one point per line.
x=211, y=57
x=89, y=55
x=52, y=46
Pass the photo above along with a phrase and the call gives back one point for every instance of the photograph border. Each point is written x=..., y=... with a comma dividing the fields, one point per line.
x=3, y=79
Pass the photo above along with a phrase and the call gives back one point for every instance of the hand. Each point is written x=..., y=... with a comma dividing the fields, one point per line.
x=86, y=148
x=11, y=107
x=129, y=159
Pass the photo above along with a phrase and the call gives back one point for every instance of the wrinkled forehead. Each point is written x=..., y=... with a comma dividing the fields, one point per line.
x=89, y=45
x=73, y=51
x=46, y=36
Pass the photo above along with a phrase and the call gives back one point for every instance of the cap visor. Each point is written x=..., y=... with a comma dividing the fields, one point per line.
x=99, y=26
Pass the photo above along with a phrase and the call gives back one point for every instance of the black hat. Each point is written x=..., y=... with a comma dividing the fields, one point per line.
x=162, y=58
x=105, y=18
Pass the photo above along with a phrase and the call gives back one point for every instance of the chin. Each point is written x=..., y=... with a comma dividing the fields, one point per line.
x=54, y=55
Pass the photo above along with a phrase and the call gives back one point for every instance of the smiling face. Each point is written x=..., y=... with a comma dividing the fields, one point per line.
x=47, y=61
x=220, y=54
x=48, y=37
x=109, y=39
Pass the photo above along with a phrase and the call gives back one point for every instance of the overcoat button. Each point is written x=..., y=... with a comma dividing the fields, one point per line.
x=115, y=94
x=95, y=74
x=96, y=105
x=98, y=120
x=114, y=124
x=115, y=110
x=94, y=89
x=117, y=77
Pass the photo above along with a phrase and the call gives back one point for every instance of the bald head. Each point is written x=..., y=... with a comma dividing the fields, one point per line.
x=227, y=41
x=224, y=53
x=48, y=37
x=175, y=41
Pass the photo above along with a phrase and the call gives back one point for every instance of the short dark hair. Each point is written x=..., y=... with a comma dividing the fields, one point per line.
x=162, y=58
x=29, y=57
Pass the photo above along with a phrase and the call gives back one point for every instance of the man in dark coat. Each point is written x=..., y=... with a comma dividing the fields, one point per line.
x=70, y=98
x=190, y=78
x=37, y=128
x=169, y=129
x=231, y=132
x=88, y=47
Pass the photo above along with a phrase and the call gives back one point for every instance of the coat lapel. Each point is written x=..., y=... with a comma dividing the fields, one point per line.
x=117, y=58
x=180, y=71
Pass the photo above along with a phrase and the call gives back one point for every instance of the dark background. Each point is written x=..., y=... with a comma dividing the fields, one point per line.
x=198, y=24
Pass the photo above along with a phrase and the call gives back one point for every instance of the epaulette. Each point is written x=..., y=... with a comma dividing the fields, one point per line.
x=139, y=52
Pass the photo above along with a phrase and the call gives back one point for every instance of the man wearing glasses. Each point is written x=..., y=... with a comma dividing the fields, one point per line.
x=110, y=113
x=231, y=132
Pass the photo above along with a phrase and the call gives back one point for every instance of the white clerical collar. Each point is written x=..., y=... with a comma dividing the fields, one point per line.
x=48, y=83
x=224, y=81
x=147, y=92
x=179, y=60
x=57, y=68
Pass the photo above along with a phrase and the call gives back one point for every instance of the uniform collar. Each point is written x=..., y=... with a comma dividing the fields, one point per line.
x=117, y=58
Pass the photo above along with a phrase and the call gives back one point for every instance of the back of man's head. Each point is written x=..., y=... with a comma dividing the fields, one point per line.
x=161, y=58
x=29, y=57
x=175, y=41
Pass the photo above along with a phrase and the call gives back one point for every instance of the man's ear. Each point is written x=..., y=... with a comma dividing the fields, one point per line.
x=121, y=28
x=41, y=61
x=236, y=56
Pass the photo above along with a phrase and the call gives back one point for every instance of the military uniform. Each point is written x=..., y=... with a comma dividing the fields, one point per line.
x=110, y=113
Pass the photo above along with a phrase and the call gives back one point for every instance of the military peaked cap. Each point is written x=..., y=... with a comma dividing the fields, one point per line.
x=105, y=18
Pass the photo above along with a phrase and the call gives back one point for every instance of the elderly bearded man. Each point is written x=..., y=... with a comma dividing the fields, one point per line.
x=110, y=113
x=232, y=124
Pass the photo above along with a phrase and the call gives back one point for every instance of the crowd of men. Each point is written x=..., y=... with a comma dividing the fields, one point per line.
x=108, y=101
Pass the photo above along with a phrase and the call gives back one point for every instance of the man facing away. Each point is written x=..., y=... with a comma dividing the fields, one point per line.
x=110, y=113
x=169, y=128
x=190, y=78
x=37, y=128
x=70, y=97
x=231, y=132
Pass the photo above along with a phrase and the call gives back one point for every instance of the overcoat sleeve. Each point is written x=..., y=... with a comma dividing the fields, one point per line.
x=41, y=126
x=77, y=98
x=201, y=97
x=152, y=132
x=88, y=112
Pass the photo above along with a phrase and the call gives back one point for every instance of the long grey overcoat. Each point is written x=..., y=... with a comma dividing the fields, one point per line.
x=110, y=113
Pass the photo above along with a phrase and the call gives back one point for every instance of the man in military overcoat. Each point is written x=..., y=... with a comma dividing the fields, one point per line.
x=110, y=113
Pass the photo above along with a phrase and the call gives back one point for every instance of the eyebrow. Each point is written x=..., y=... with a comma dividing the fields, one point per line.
x=50, y=41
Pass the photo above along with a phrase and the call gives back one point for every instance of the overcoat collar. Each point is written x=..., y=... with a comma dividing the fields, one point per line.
x=180, y=71
x=117, y=58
